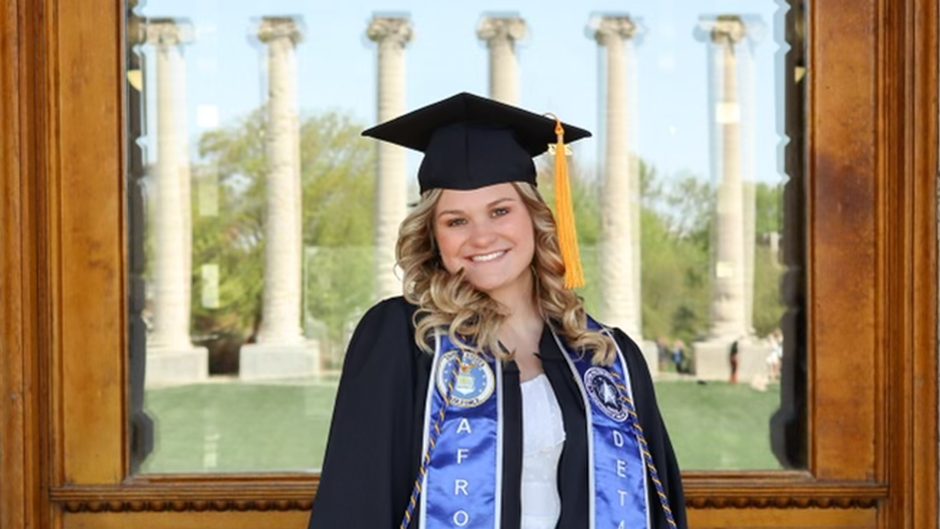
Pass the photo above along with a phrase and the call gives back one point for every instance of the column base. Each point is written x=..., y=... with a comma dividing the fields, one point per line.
x=166, y=366
x=712, y=360
x=275, y=362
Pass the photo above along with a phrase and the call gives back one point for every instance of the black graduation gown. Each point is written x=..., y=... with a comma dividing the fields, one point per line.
x=375, y=439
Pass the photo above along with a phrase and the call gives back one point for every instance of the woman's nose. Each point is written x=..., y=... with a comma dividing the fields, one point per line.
x=482, y=234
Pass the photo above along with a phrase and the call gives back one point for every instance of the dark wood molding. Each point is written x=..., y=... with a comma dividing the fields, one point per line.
x=909, y=85
x=235, y=496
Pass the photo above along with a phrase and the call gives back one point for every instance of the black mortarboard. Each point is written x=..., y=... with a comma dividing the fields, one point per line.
x=470, y=141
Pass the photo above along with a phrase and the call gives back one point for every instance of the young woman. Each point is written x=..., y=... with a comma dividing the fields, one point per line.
x=485, y=396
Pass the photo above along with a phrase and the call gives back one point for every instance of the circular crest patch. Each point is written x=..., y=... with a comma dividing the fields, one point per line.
x=475, y=380
x=600, y=386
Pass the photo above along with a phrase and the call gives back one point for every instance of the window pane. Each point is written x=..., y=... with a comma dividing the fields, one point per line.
x=262, y=226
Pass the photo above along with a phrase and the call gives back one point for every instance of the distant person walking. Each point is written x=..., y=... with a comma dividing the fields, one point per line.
x=733, y=360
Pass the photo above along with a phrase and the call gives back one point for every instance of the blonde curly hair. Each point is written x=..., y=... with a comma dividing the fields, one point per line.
x=449, y=301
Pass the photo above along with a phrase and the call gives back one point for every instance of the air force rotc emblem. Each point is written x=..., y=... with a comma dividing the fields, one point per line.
x=600, y=386
x=475, y=380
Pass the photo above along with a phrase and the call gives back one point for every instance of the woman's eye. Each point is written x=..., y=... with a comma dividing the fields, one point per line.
x=499, y=212
x=455, y=222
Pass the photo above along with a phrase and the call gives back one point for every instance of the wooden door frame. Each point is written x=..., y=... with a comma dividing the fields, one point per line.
x=872, y=230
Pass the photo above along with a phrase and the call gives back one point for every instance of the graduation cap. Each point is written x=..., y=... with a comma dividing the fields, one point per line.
x=470, y=142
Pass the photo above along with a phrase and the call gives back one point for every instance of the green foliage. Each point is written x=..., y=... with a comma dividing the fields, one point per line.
x=768, y=308
x=337, y=168
x=676, y=223
x=769, y=216
x=230, y=235
x=675, y=234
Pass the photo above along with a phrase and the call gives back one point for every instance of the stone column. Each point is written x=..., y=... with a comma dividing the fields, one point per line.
x=281, y=350
x=729, y=298
x=391, y=34
x=619, y=250
x=501, y=34
x=620, y=302
x=171, y=356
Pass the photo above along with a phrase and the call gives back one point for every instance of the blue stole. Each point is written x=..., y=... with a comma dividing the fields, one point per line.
x=460, y=480
x=617, y=491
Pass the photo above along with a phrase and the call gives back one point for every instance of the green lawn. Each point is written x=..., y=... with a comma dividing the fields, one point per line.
x=719, y=426
x=236, y=427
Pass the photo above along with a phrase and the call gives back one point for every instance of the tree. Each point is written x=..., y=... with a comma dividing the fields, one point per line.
x=337, y=176
x=769, y=210
x=675, y=239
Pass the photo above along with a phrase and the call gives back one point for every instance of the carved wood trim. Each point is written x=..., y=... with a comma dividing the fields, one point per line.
x=178, y=497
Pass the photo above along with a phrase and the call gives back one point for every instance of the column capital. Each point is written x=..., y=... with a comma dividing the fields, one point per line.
x=383, y=28
x=501, y=27
x=165, y=31
x=275, y=28
x=606, y=27
x=721, y=29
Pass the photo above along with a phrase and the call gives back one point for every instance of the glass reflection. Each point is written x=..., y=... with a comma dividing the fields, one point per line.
x=262, y=225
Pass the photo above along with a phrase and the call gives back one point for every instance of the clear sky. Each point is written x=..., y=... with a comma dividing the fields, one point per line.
x=559, y=66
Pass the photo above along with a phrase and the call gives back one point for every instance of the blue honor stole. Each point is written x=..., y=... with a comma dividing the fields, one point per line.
x=617, y=495
x=459, y=483
x=463, y=441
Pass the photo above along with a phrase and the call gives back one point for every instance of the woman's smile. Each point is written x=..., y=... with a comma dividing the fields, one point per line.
x=488, y=257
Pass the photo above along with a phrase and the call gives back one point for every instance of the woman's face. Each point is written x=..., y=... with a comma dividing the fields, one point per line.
x=487, y=232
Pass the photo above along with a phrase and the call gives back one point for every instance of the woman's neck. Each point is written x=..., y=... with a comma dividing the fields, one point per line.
x=522, y=328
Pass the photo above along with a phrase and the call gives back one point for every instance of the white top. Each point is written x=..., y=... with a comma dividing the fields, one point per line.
x=543, y=437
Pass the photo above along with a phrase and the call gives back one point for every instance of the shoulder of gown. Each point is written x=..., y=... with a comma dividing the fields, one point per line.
x=368, y=469
x=644, y=397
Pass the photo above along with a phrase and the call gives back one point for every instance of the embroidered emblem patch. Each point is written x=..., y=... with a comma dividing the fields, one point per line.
x=475, y=380
x=600, y=386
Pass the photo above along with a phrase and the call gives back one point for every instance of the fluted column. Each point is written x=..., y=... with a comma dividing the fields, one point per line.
x=281, y=351
x=283, y=241
x=728, y=306
x=171, y=356
x=619, y=259
x=391, y=34
x=171, y=219
x=501, y=34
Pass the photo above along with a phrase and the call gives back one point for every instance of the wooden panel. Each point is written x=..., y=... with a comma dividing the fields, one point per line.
x=13, y=493
x=844, y=269
x=923, y=139
x=87, y=224
x=22, y=451
x=738, y=518
x=784, y=518
x=910, y=446
x=185, y=520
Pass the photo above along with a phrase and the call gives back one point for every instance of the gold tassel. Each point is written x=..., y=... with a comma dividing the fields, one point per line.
x=564, y=213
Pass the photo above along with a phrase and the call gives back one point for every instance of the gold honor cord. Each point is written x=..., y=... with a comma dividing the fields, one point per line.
x=432, y=441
